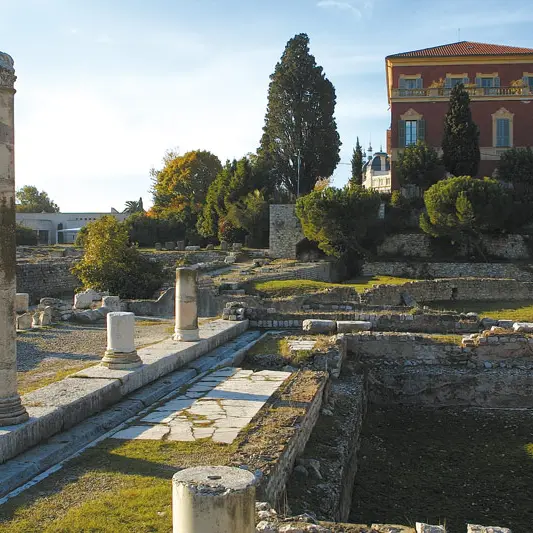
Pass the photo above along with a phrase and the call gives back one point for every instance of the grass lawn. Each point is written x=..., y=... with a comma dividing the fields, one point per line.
x=295, y=287
x=521, y=310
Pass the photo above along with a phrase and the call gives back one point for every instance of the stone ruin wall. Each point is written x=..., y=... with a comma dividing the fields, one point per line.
x=285, y=231
x=450, y=289
x=432, y=269
x=419, y=245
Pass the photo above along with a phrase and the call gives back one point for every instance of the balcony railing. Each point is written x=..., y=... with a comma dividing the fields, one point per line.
x=474, y=92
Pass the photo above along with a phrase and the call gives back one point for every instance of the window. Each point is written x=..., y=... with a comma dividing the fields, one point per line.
x=456, y=81
x=411, y=83
x=503, y=130
x=407, y=85
x=487, y=82
x=411, y=127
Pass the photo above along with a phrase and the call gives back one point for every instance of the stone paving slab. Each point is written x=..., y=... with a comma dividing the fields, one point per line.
x=226, y=401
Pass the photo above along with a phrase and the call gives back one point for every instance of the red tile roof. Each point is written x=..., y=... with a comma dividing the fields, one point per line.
x=466, y=48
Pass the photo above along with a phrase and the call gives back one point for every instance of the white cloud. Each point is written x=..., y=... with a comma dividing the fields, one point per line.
x=356, y=7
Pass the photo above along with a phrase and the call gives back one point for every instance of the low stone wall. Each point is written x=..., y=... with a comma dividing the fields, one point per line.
x=450, y=289
x=46, y=279
x=419, y=245
x=436, y=269
x=328, y=271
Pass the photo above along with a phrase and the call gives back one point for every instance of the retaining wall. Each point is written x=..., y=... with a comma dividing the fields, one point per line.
x=428, y=270
x=285, y=231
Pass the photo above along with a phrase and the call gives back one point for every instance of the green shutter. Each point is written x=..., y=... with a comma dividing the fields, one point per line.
x=401, y=134
x=401, y=83
x=466, y=81
x=419, y=83
x=448, y=83
x=478, y=82
x=421, y=130
x=496, y=81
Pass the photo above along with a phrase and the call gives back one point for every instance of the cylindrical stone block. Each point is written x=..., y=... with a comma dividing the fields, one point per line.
x=186, y=328
x=121, y=353
x=213, y=499
x=11, y=409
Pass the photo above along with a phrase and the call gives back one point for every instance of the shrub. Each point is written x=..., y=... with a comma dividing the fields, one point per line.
x=419, y=165
x=110, y=263
x=462, y=208
x=25, y=235
x=340, y=221
x=146, y=231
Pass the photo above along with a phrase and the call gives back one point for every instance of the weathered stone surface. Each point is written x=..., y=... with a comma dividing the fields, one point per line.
x=524, y=327
x=224, y=246
x=111, y=302
x=180, y=245
x=170, y=245
x=192, y=248
x=158, y=246
x=22, y=302
x=230, y=259
x=45, y=318
x=210, y=247
x=24, y=321
x=472, y=528
x=285, y=231
x=350, y=326
x=319, y=326
x=84, y=300
x=426, y=528
x=506, y=324
x=237, y=246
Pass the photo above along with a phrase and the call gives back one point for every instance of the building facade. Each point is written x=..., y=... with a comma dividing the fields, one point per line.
x=61, y=228
x=377, y=172
x=499, y=80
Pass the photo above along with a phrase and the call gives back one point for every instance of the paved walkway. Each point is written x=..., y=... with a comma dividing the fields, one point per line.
x=218, y=407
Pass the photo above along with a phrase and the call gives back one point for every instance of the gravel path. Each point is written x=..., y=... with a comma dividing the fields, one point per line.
x=49, y=354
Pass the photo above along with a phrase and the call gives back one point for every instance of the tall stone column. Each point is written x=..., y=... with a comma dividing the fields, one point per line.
x=186, y=328
x=11, y=409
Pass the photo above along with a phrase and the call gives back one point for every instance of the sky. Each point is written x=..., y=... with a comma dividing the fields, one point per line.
x=106, y=87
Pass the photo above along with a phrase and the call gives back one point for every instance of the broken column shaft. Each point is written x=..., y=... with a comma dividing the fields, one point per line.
x=11, y=409
x=186, y=328
x=213, y=499
x=121, y=353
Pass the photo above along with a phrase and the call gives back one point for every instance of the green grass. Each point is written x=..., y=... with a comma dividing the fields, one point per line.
x=446, y=338
x=521, y=310
x=295, y=287
x=115, y=487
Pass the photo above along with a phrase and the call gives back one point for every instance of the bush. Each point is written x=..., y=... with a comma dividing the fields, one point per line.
x=462, y=208
x=25, y=236
x=110, y=263
x=341, y=221
x=419, y=165
x=146, y=231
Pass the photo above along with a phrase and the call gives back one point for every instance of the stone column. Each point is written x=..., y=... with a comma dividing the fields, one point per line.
x=121, y=353
x=186, y=328
x=213, y=499
x=11, y=409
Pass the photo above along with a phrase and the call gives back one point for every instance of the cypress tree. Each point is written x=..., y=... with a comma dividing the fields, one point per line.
x=460, y=142
x=300, y=120
x=357, y=165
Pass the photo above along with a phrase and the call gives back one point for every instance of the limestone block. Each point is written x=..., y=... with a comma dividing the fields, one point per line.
x=46, y=316
x=158, y=246
x=473, y=528
x=230, y=259
x=319, y=326
x=180, y=245
x=22, y=302
x=24, y=321
x=89, y=316
x=487, y=323
x=192, y=248
x=525, y=327
x=111, y=302
x=36, y=320
x=84, y=300
x=210, y=247
x=349, y=326
x=506, y=324
x=224, y=246
x=237, y=246
x=426, y=528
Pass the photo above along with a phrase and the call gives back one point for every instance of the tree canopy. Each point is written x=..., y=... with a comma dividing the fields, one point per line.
x=339, y=220
x=357, y=165
x=460, y=142
x=300, y=120
x=31, y=200
x=462, y=208
x=418, y=164
x=134, y=206
x=184, y=180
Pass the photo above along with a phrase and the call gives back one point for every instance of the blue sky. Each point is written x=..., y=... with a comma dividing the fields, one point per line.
x=105, y=87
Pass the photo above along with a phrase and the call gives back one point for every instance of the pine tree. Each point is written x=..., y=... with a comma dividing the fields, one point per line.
x=300, y=120
x=357, y=165
x=460, y=142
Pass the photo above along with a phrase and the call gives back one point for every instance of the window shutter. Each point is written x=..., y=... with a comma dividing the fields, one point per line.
x=525, y=81
x=506, y=132
x=401, y=134
x=421, y=130
x=419, y=83
x=466, y=81
x=401, y=83
x=496, y=81
x=478, y=82
x=448, y=83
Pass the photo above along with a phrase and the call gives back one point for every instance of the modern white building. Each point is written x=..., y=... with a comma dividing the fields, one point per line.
x=61, y=228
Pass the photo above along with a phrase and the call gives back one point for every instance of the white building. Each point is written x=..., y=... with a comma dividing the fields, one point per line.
x=377, y=172
x=61, y=228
